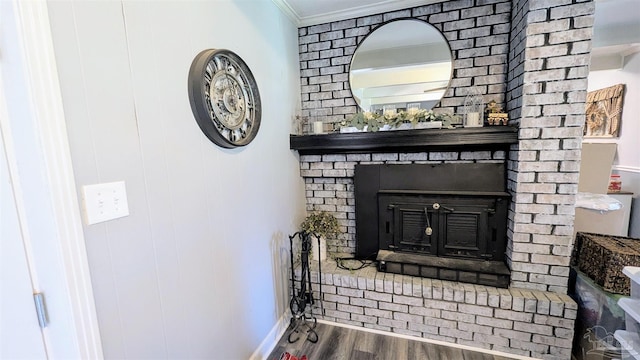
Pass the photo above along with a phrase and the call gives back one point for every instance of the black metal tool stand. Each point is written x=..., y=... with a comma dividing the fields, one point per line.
x=302, y=316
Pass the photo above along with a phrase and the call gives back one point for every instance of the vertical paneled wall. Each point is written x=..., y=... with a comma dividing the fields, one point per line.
x=199, y=267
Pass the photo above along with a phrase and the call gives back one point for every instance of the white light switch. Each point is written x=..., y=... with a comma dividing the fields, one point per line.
x=104, y=202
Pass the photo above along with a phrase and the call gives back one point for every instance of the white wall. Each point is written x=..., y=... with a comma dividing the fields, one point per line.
x=627, y=161
x=628, y=150
x=198, y=270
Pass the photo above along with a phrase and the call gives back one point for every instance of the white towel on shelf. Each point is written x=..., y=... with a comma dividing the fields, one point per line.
x=600, y=202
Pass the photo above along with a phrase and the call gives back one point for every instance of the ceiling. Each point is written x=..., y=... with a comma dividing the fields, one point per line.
x=313, y=12
x=617, y=22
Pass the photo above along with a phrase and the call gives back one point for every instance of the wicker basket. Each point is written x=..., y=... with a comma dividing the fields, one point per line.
x=602, y=258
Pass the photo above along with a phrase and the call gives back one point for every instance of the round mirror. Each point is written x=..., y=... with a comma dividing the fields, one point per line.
x=402, y=64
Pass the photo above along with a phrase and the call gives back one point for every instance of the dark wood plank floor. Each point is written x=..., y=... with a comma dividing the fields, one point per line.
x=340, y=343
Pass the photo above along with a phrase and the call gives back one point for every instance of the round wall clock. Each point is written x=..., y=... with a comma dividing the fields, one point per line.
x=224, y=98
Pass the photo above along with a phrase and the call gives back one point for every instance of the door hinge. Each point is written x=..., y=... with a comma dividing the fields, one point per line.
x=41, y=309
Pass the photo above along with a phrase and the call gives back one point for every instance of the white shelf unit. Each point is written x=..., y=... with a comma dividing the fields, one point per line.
x=614, y=223
x=629, y=339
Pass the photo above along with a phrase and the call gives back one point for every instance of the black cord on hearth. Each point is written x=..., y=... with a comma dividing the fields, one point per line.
x=363, y=263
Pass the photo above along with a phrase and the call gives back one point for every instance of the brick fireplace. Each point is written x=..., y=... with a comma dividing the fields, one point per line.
x=529, y=55
x=516, y=320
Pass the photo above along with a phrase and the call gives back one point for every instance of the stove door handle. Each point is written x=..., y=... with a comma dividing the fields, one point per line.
x=437, y=206
x=448, y=209
x=428, y=230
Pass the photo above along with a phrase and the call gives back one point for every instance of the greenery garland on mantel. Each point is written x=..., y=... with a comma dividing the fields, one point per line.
x=374, y=121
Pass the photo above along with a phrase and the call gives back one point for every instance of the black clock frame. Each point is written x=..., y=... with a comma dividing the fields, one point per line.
x=204, y=68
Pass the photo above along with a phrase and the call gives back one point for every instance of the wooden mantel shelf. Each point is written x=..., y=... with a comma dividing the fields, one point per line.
x=491, y=137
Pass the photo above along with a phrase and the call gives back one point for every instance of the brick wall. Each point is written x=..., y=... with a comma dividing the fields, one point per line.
x=477, y=31
x=329, y=182
x=549, y=58
x=515, y=75
x=516, y=321
x=531, y=55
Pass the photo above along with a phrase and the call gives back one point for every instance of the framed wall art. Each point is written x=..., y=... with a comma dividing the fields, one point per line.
x=604, y=112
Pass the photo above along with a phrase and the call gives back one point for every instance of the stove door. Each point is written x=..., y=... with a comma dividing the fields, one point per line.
x=416, y=228
x=444, y=226
x=408, y=224
x=464, y=229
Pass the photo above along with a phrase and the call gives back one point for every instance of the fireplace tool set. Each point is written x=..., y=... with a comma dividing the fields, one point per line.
x=302, y=316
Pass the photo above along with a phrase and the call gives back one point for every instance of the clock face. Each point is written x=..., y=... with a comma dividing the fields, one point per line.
x=224, y=98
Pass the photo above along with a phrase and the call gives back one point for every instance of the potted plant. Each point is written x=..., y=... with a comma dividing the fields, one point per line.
x=320, y=224
x=412, y=118
x=367, y=121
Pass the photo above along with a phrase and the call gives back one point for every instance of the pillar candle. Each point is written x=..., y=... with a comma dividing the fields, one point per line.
x=473, y=119
x=318, y=127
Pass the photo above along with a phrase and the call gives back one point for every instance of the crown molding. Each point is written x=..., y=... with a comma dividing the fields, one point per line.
x=377, y=8
x=284, y=6
x=323, y=18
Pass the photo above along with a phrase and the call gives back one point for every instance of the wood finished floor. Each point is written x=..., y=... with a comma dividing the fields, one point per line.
x=339, y=343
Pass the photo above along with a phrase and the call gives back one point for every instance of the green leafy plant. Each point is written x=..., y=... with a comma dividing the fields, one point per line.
x=372, y=121
x=375, y=121
x=320, y=223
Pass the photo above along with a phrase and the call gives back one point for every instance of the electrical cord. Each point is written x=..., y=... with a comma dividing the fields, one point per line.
x=363, y=263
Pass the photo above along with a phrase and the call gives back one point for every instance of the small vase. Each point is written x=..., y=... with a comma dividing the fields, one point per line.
x=314, y=248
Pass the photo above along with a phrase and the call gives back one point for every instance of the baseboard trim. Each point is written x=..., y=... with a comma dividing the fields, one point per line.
x=430, y=341
x=271, y=340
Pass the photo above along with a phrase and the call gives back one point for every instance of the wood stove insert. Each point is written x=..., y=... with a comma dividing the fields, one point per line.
x=443, y=221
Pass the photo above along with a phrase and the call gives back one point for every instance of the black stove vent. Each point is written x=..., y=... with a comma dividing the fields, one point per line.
x=445, y=221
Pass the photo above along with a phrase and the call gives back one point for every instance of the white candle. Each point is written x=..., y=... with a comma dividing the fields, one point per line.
x=473, y=119
x=318, y=127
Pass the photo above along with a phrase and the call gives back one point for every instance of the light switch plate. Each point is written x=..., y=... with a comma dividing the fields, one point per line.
x=104, y=202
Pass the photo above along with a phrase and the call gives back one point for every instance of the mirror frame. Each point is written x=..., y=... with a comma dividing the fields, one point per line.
x=446, y=41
